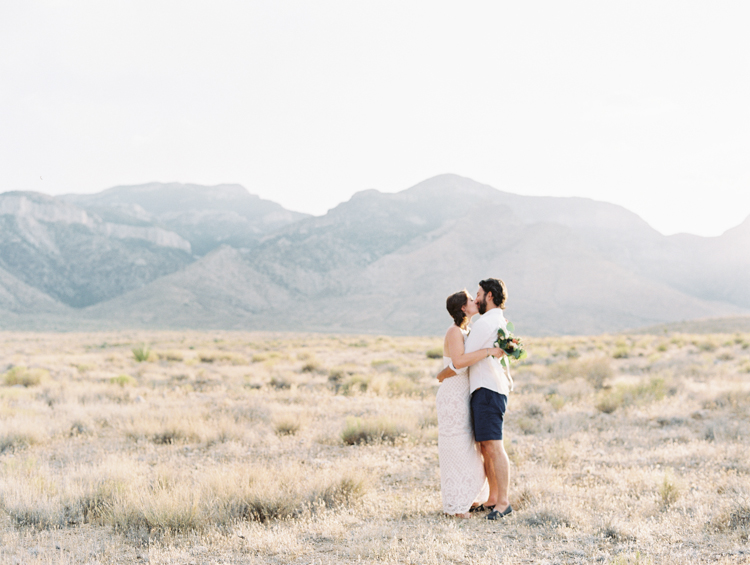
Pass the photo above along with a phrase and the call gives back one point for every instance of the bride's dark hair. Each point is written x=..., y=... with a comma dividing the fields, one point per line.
x=454, y=303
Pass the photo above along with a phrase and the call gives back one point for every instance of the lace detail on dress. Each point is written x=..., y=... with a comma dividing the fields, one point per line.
x=462, y=478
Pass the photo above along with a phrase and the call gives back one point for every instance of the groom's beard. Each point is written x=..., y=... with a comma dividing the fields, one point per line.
x=482, y=306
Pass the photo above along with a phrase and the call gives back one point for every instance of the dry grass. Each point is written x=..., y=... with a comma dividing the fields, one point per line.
x=267, y=448
x=21, y=376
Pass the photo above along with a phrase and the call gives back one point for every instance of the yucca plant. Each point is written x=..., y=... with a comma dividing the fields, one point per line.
x=141, y=353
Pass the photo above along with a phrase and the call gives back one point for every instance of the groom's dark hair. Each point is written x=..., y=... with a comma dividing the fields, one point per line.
x=498, y=290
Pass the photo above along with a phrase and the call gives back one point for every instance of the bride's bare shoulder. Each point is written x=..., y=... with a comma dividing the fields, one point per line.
x=453, y=330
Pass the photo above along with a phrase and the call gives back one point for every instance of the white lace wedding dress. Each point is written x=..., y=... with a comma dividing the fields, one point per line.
x=462, y=478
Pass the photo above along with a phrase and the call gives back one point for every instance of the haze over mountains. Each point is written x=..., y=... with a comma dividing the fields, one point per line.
x=188, y=256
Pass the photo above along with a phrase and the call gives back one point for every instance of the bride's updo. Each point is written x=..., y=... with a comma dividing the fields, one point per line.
x=454, y=303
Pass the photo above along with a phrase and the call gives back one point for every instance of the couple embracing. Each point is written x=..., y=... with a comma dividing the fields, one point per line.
x=471, y=403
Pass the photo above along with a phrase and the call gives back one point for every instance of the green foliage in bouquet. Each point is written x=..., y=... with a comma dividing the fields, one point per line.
x=512, y=345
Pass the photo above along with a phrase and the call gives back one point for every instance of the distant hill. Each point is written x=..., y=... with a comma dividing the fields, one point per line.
x=731, y=325
x=186, y=256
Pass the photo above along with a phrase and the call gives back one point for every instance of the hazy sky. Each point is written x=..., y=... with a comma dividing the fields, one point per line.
x=641, y=103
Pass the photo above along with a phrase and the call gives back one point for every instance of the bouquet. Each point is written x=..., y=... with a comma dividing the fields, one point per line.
x=512, y=345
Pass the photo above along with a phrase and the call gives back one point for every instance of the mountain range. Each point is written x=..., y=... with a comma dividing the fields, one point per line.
x=188, y=256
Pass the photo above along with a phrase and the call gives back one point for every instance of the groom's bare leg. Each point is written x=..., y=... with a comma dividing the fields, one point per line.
x=489, y=472
x=494, y=452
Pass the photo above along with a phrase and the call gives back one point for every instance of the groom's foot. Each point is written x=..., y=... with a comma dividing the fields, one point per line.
x=497, y=514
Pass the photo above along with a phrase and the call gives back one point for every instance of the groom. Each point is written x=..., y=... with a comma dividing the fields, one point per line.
x=489, y=387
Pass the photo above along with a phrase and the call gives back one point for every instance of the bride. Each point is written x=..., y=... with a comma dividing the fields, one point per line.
x=462, y=477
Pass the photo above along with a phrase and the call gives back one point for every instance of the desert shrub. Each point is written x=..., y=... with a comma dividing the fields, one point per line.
x=284, y=496
x=435, y=353
x=394, y=386
x=534, y=411
x=174, y=501
x=24, y=377
x=336, y=375
x=415, y=376
x=280, y=382
x=558, y=454
x=12, y=439
x=79, y=428
x=38, y=513
x=528, y=426
x=607, y=402
x=170, y=355
x=616, y=533
x=287, y=425
x=651, y=390
x=646, y=391
x=563, y=371
x=215, y=356
x=169, y=435
x=597, y=371
x=556, y=401
x=429, y=419
x=355, y=383
x=547, y=518
x=340, y=491
x=166, y=430
x=525, y=497
x=358, y=430
x=736, y=518
x=159, y=508
x=250, y=411
x=707, y=345
x=734, y=399
x=123, y=380
x=385, y=365
x=312, y=366
x=669, y=489
x=141, y=353
x=632, y=559
x=621, y=352
x=208, y=356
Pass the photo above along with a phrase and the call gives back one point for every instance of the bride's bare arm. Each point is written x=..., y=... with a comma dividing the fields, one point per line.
x=455, y=343
x=461, y=359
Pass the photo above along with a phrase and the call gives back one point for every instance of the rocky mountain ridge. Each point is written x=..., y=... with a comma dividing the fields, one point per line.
x=376, y=263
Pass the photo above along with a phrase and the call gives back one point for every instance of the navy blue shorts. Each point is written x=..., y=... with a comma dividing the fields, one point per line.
x=487, y=411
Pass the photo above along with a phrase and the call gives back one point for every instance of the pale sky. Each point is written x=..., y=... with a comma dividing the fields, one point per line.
x=640, y=103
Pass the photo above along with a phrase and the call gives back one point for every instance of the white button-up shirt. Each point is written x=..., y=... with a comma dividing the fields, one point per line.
x=487, y=373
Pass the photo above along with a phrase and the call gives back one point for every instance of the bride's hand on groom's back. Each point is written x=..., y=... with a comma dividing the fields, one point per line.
x=445, y=373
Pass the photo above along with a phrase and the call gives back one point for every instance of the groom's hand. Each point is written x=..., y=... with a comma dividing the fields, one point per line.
x=497, y=353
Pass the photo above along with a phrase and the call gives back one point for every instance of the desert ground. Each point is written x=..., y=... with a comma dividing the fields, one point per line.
x=230, y=447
